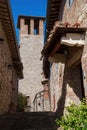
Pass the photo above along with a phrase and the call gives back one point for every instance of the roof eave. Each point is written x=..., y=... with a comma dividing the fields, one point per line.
x=8, y=26
x=56, y=35
x=52, y=5
x=12, y=24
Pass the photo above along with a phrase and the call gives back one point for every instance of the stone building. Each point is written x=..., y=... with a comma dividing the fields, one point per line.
x=10, y=63
x=66, y=51
x=31, y=44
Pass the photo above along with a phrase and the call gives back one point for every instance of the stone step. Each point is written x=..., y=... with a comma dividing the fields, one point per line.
x=29, y=120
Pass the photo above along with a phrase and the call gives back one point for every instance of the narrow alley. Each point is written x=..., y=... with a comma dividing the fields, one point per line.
x=44, y=70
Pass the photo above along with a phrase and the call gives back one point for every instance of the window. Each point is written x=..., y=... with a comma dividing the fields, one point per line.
x=70, y=2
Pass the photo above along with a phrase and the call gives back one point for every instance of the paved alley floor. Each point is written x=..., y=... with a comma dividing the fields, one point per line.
x=28, y=121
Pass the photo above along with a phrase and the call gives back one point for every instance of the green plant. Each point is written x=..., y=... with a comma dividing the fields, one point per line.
x=22, y=102
x=75, y=119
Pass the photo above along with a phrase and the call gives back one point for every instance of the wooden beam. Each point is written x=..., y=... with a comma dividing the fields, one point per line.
x=7, y=27
x=54, y=16
x=8, y=30
x=54, y=12
x=4, y=14
x=3, y=17
x=57, y=46
x=2, y=5
x=55, y=4
x=9, y=37
x=57, y=58
x=53, y=19
x=55, y=1
x=53, y=9
x=3, y=10
x=6, y=23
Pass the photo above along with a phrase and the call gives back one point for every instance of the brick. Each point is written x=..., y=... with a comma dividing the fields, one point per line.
x=24, y=28
x=32, y=26
x=41, y=27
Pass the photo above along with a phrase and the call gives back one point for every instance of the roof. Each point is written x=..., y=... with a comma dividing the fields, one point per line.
x=56, y=34
x=29, y=17
x=52, y=13
x=53, y=10
x=8, y=26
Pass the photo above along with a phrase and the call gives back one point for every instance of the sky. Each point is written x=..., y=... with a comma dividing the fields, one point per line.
x=27, y=7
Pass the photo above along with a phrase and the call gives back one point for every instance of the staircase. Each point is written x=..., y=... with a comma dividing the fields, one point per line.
x=28, y=121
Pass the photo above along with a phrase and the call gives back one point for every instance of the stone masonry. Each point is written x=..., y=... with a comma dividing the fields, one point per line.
x=66, y=84
x=8, y=76
x=5, y=74
x=31, y=44
x=79, y=7
x=10, y=62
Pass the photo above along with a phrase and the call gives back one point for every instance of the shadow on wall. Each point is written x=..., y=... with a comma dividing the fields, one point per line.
x=74, y=90
x=76, y=81
x=61, y=102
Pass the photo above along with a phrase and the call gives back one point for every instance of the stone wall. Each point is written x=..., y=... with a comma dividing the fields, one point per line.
x=14, y=87
x=66, y=84
x=7, y=78
x=30, y=48
x=31, y=44
x=56, y=82
x=77, y=13
x=5, y=74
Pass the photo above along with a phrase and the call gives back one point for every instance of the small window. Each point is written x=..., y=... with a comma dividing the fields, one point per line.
x=70, y=2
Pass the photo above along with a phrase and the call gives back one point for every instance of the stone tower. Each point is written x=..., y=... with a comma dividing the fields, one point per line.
x=31, y=44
